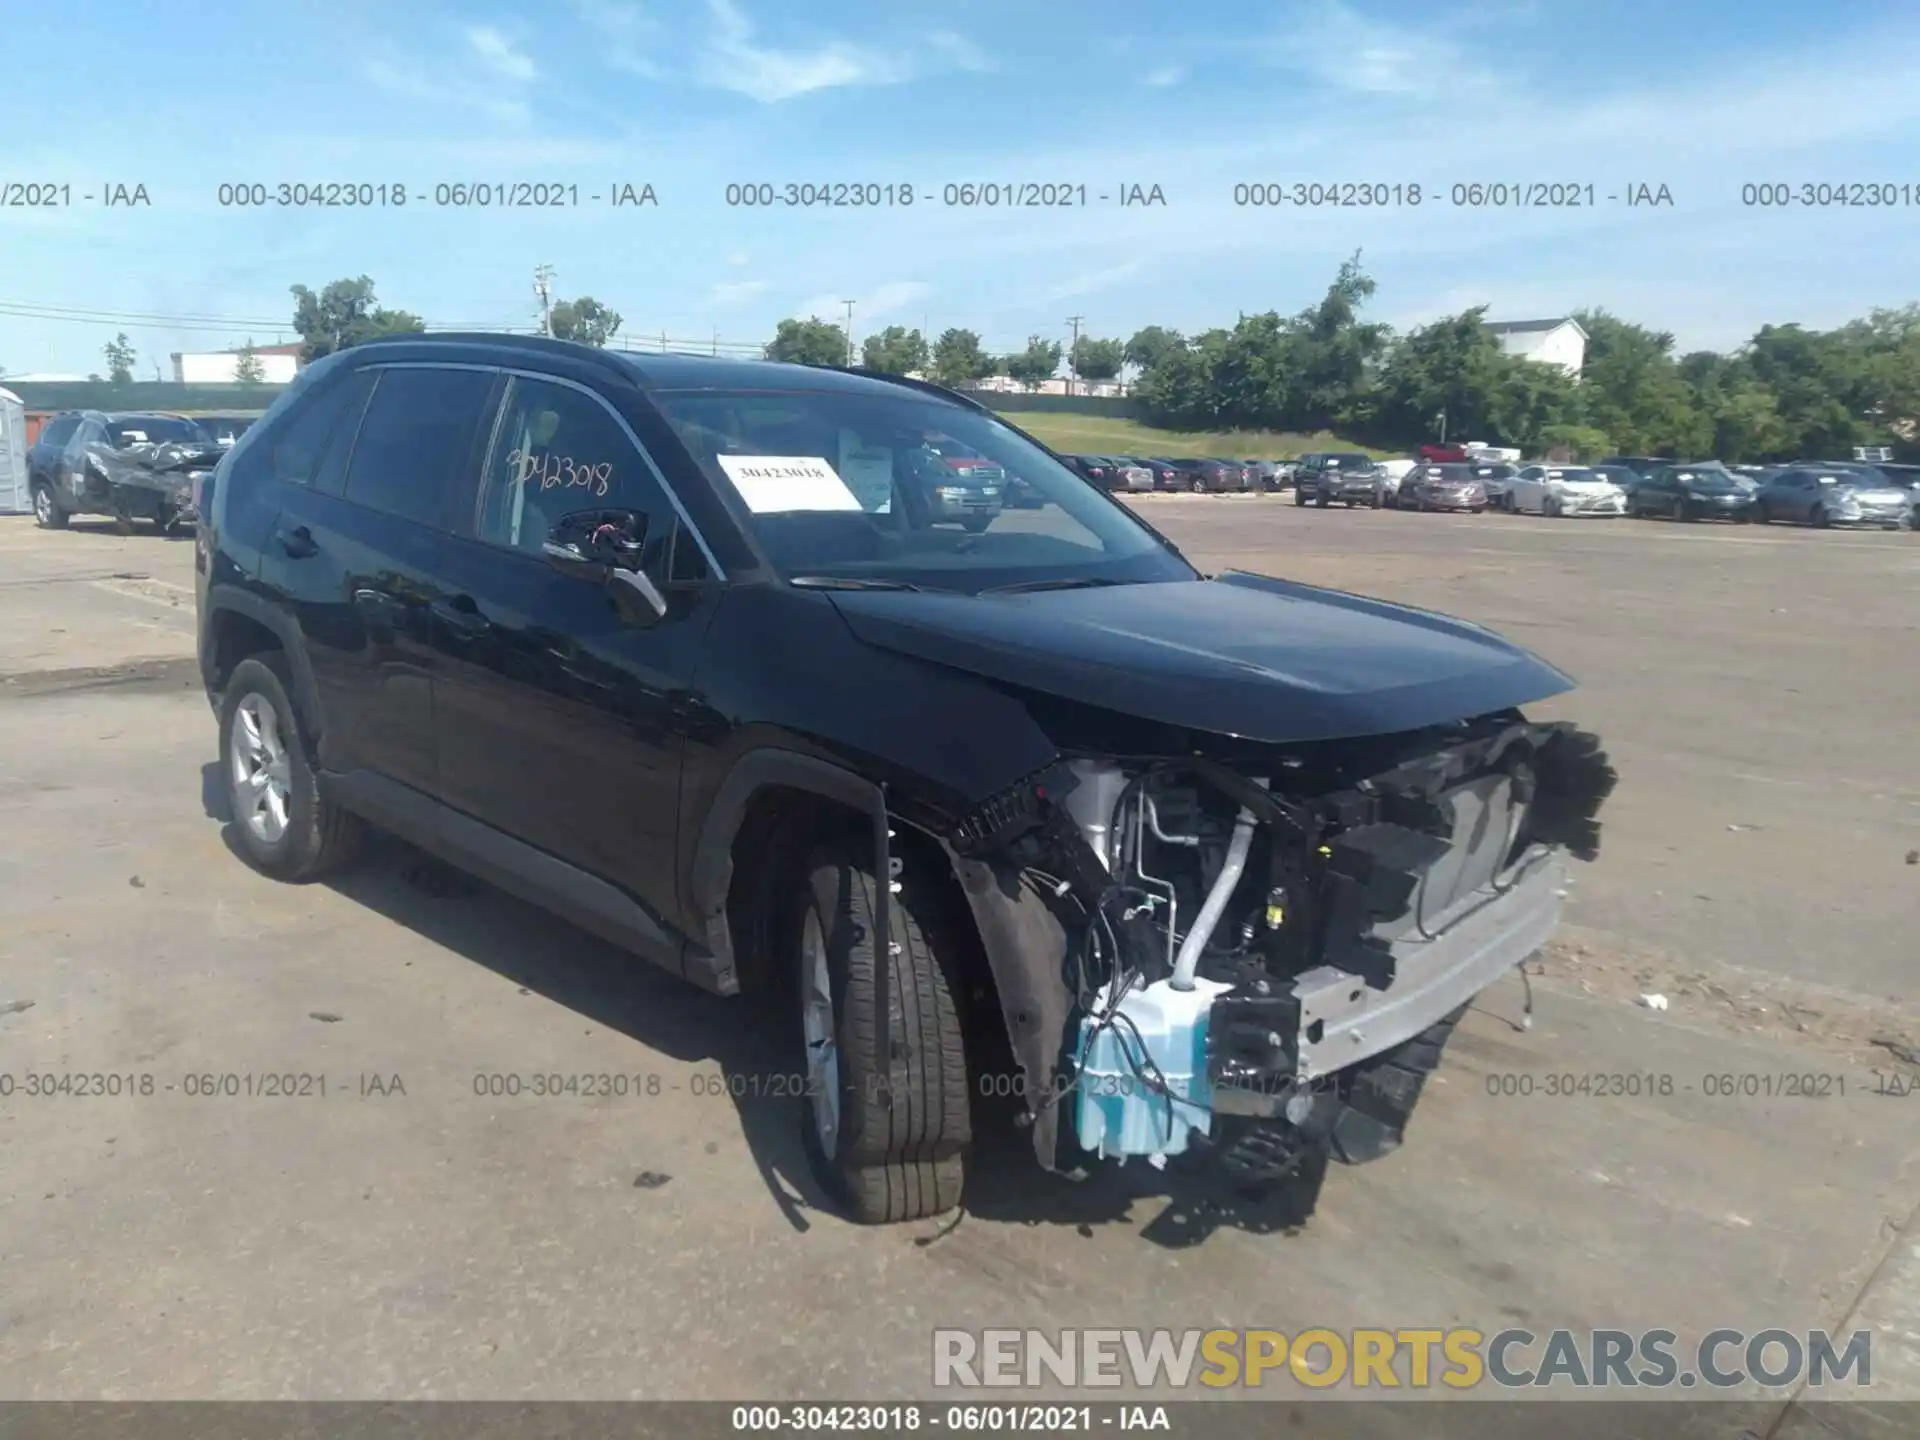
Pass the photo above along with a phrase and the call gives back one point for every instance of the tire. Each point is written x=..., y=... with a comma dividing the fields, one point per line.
x=314, y=836
x=1322, y=501
x=1760, y=516
x=1550, y=510
x=1478, y=509
x=1197, y=485
x=1380, y=1094
x=1821, y=519
x=1298, y=498
x=48, y=513
x=976, y=525
x=883, y=1163
x=164, y=519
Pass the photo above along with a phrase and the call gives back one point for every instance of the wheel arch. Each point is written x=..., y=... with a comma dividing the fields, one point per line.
x=238, y=624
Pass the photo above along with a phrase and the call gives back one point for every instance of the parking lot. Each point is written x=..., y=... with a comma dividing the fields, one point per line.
x=402, y=1236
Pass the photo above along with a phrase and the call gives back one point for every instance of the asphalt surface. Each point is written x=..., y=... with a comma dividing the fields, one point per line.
x=404, y=1237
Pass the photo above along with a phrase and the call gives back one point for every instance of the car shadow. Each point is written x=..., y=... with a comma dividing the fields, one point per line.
x=757, y=1053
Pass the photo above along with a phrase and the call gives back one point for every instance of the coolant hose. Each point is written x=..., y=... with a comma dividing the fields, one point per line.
x=1187, y=962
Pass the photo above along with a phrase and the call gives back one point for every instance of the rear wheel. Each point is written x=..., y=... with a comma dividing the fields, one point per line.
x=283, y=824
x=47, y=511
x=888, y=1137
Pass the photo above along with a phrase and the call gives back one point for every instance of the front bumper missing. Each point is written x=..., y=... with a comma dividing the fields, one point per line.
x=1343, y=1021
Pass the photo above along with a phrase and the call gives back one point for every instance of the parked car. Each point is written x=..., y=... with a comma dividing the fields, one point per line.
x=1557, y=490
x=1494, y=477
x=1243, y=477
x=1285, y=472
x=1167, y=475
x=1451, y=486
x=958, y=486
x=1203, y=476
x=129, y=465
x=1444, y=454
x=1263, y=475
x=1392, y=473
x=446, y=587
x=1689, y=492
x=1907, y=477
x=1345, y=476
x=1825, y=495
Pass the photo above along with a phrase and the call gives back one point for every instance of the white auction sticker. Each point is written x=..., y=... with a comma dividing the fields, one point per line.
x=772, y=484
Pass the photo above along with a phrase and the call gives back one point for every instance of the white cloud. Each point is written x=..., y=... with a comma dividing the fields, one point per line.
x=876, y=304
x=1093, y=280
x=738, y=258
x=1166, y=76
x=625, y=36
x=500, y=55
x=1342, y=48
x=735, y=61
x=729, y=293
x=406, y=79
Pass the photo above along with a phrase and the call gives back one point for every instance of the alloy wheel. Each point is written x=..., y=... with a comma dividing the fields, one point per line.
x=259, y=769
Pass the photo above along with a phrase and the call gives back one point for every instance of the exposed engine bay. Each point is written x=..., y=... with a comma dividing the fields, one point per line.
x=1265, y=949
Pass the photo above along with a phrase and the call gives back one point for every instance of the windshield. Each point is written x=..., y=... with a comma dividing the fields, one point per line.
x=1704, y=480
x=1575, y=477
x=1452, y=475
x=1349, y=462
x=892, y=488
x=157, y=429
x=1493, y=472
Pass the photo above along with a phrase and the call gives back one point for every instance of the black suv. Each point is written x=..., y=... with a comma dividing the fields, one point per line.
x=683, y=649
x=1346, y=476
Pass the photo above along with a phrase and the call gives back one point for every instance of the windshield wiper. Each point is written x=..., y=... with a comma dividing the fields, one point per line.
x=1083, y=582
x=847, y=582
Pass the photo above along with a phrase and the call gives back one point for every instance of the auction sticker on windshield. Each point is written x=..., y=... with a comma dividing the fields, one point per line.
x=776, y=484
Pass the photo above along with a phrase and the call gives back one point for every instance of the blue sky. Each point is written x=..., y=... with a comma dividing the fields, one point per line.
x=1699, y=95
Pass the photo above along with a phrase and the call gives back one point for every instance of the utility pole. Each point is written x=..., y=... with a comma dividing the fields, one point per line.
x=716, y=340
x=543, y=287
x=849, y=305
x=1073, y=352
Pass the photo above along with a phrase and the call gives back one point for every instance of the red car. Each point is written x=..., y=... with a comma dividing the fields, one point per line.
x=1443, y=454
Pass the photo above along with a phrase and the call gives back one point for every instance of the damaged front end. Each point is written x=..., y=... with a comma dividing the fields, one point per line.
x=141, y=478
x=1263, y=944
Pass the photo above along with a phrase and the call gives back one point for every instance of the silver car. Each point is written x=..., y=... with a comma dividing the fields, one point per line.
x=1825, y=496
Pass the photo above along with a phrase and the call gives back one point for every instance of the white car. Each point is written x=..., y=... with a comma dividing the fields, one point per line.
x=1564, y=490
x=1392, y=472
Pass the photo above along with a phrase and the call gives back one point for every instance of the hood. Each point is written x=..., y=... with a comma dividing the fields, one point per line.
x=1240, y=655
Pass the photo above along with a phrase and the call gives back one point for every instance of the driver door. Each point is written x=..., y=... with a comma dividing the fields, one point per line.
x=561, y=712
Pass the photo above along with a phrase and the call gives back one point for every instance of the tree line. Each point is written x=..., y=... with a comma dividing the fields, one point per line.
x=1788, y=392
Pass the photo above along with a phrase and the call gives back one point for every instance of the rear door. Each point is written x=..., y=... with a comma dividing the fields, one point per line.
x=561, y=718
x=355, y=550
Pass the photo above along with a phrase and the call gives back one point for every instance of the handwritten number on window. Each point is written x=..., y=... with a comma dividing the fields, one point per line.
x=557, y=472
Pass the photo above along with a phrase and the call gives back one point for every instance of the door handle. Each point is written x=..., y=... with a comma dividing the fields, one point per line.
x=461, y=615
x=297, y=542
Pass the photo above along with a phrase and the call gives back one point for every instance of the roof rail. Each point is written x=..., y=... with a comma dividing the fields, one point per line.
x=928, y=387
x=545, y=344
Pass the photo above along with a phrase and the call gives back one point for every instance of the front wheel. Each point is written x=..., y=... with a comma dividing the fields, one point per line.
x=47, y=511
x=1197, y=485
x=164, y=519
x=1322, y=501
x=1298, y=498
x=1821, y=519
x=889, y=1138
x=977, y=524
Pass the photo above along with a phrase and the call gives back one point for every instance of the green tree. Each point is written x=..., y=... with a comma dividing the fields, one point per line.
x=1149, y=346
x=1331, y=354
x=896, y=350
x=1453, y=365
x=120, y=359
x=585, y=320
x=345, y=314
x=1035, y=363
x=1631, y=388
x=1177, y=391
x=1098, y=359
x=1581, y=442
x=958, y=359
x=246, y=367
x=808, y=342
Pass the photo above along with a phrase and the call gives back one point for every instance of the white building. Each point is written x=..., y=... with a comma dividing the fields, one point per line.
x=278, y=365
x=1552, y=342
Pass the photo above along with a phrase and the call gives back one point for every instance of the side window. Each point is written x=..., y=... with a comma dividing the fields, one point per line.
x=59, y=431
x=558, y=450
x=416, y=439
x=293, y=455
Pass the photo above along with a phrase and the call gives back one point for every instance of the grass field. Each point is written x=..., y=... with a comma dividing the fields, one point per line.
x=1098, y=435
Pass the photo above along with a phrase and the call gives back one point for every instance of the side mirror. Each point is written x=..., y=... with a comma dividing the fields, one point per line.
x=606, y=547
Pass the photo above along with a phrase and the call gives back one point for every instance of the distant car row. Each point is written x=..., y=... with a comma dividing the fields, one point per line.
x=128, y=465
x=1198, y=475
